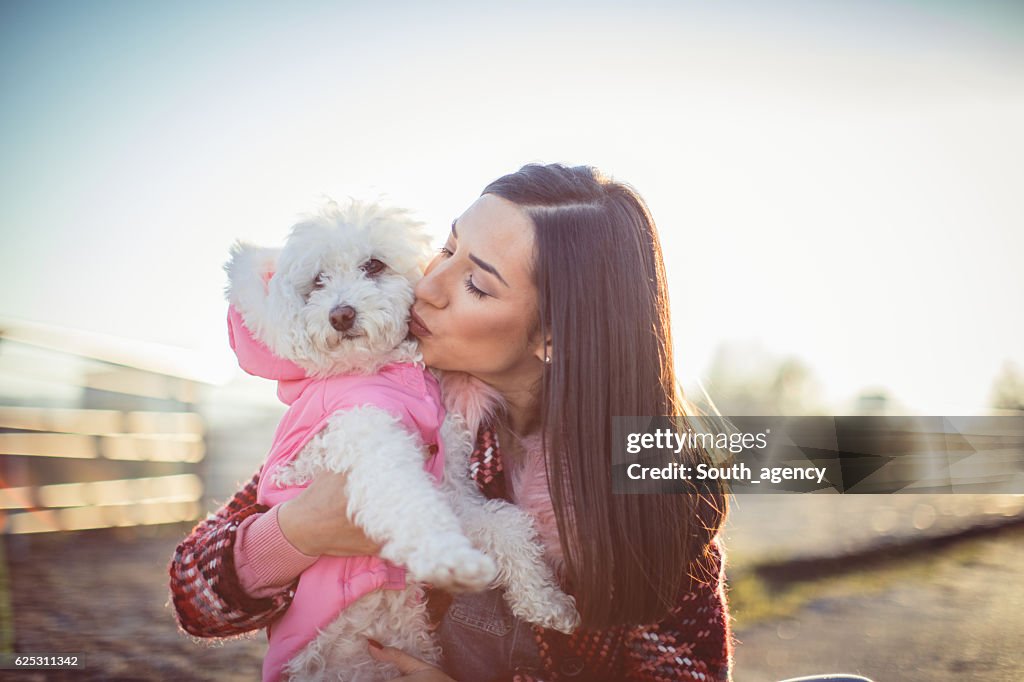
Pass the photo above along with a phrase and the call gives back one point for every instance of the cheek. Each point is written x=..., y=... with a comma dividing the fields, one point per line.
x=479, y=341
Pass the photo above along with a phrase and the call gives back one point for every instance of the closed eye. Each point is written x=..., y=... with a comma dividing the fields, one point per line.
x=472, y=288
x=446, y=252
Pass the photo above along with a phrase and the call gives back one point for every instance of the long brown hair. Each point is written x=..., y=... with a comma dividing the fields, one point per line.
x=603, y=302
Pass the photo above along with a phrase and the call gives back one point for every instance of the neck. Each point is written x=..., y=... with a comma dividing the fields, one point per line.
x=522, y=405
x=523, y=412
x=520, y=399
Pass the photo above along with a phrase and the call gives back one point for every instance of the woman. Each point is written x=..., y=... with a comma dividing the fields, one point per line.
x=551, y=290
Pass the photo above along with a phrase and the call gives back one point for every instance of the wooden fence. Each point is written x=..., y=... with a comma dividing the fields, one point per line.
x=90, y=443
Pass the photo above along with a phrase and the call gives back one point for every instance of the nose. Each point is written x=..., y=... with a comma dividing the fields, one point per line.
x=430, y=288
x=343, y=317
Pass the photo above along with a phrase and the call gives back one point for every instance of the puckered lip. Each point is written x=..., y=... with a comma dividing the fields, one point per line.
x=416, y=325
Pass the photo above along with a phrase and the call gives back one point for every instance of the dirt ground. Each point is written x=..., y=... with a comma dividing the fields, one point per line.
x=957, y=614
x=954, y=616
x=103, y=595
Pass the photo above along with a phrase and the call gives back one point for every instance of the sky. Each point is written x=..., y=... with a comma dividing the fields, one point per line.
x=835, y=181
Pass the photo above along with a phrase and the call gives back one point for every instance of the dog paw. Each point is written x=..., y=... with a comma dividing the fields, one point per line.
x=551, y=608
x=458, y=567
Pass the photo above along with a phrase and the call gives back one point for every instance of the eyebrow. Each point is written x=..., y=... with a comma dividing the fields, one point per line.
x=484, y=265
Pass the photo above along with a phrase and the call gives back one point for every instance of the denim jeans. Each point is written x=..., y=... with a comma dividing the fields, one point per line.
x=482, y=640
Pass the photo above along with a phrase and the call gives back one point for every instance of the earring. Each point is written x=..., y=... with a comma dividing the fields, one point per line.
x=547, y=359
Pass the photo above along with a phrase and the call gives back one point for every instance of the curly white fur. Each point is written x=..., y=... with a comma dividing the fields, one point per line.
x=281, y=301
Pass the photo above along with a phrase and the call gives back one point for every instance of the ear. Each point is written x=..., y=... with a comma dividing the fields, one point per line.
x=249, y=271
x=542, y=351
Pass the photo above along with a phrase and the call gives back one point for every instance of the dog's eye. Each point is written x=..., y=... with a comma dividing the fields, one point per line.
x=372, y=267
x=320, y=281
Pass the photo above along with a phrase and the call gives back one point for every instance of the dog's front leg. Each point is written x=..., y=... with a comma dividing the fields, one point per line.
x=396, y=503
x=506, y=534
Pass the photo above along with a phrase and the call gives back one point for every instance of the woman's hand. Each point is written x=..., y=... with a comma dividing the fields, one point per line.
x=315, y=521
x=412, y=668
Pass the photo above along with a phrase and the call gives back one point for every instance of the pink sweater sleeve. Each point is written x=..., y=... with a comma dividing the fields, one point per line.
x=264, y=559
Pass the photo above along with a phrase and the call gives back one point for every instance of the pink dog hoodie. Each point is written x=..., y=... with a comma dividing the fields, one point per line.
x=409, y=393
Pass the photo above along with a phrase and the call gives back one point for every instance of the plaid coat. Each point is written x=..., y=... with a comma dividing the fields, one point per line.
x=692, y=642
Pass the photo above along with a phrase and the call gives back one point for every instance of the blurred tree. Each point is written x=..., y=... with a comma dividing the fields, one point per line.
x=1008, y=388
x=872, y=401
x=745, y=379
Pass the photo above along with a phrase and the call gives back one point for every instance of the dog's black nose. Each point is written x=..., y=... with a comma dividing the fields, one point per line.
x=343, y=317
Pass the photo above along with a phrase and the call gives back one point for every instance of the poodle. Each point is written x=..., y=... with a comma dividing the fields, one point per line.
x=327, y=317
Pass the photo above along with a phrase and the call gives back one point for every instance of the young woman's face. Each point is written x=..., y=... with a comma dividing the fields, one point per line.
x=476, y=306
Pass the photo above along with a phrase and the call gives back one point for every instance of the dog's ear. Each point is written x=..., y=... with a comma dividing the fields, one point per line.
x=249, y=271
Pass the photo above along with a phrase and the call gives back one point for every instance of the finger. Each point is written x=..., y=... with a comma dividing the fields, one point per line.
x=404, y=662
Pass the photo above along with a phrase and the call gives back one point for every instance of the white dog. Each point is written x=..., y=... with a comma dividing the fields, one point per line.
x=327, y=316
